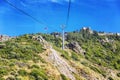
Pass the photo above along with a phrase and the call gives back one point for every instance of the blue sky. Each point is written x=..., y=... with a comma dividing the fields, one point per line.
x=100, y=15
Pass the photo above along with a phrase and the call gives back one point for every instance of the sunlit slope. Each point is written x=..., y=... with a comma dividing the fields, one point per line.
x=40, y=57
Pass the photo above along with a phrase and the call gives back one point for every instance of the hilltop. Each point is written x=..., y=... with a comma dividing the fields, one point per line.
x=88, y=55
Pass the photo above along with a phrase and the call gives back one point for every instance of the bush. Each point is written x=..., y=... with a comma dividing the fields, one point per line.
x=85, y=63
x=18, y=78
x=2, y=79
x=38, y=74
x=98, y=70
x=10, y=78
x=64, y=77
x=118, y=74
x=22, y=72
x=75, y=56
x=65, y=55
x=110, y=78
x=3, y=72
x=116, y=66
x=11, y=64
x=35, y=66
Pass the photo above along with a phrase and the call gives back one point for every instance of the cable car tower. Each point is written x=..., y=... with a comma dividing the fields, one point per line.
x=63, y=26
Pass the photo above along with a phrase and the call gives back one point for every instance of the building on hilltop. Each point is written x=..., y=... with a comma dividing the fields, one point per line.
x=88, y=29
x=4, y=38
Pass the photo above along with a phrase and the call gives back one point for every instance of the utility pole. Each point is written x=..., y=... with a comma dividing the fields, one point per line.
x=63, y=36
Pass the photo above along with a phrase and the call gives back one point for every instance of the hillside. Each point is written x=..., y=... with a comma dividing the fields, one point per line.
x=87, y=56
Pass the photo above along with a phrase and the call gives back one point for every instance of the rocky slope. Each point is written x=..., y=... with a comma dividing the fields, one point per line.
x=38, y=57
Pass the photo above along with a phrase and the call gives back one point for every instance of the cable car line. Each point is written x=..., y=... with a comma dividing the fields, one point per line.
x=25, y=13
x=68, y=13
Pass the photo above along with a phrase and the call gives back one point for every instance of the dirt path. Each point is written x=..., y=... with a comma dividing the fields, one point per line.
x=55, y=59
x=61, y=64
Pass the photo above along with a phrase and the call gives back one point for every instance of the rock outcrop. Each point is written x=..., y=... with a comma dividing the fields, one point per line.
x=76, y=47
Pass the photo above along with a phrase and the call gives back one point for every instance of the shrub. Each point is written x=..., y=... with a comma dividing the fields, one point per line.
x=118, y=74
x=75, y=56
x=116, y=66
x=84, y=63
x=110, y=78
x=65, y=55
x=11, y=64
x=64, y=77
x=18, y=79
x=22, y=72
x=10, y=78
x=98, y=70
x=2, y=79
x=35, y=66
x=38, y=74
x=3, y=72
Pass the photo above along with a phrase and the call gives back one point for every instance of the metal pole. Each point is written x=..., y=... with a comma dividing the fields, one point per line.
x=63, y=37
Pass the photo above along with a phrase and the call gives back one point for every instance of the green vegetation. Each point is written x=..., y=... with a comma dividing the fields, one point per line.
x=16, y=53
x=22, y=48
x=51, y=38
x=98, y=70
x=20, y=58
x=39, y=74
x=64, y=77
x=3, y=71
x=75, y=56
x=101, y=50
x=22, y=72
x=64, y=54
x=118, y=74
x=110, y=78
